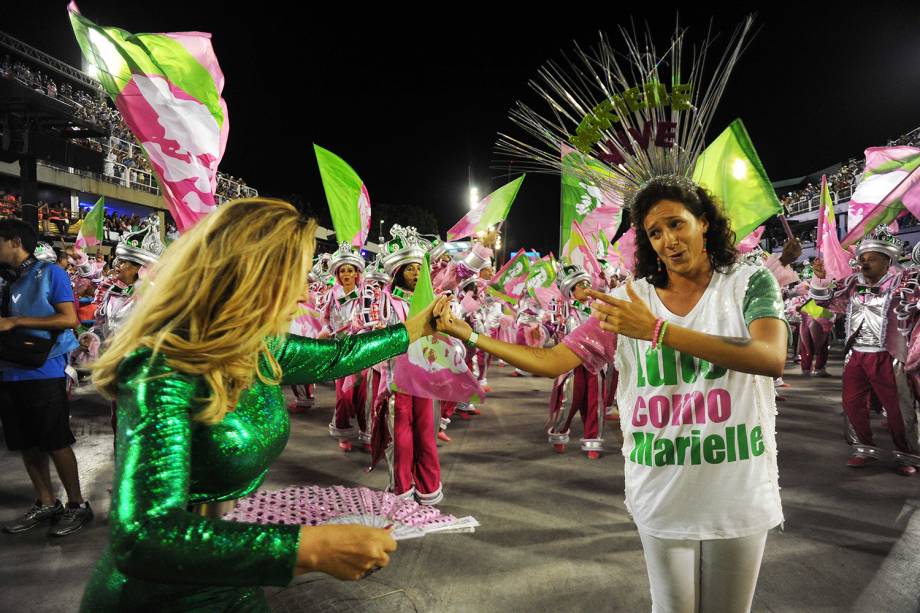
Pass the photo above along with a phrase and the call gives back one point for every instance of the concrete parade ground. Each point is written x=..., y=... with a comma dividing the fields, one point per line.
x=554, y=532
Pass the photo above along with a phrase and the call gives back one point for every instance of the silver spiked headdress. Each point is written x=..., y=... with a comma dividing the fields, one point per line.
x=622, y=117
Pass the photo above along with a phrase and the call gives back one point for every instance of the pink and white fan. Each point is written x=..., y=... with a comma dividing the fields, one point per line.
x=313, y=505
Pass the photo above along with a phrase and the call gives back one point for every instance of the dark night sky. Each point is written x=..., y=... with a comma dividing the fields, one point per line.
x=414, y=100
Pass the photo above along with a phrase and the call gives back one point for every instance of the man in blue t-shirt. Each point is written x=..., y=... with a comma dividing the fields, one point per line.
x=36, y=299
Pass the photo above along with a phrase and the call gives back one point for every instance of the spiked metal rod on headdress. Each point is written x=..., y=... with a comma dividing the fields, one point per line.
x=644, y=114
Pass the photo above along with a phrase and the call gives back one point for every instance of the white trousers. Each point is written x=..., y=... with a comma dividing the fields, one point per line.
x=713, y=576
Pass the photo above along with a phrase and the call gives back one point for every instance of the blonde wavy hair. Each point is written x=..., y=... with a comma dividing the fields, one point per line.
x=214, y=298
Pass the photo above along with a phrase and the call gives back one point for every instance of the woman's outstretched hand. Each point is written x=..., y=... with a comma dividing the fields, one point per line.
x=631, y=317
x=424, y=324
x=449, y=324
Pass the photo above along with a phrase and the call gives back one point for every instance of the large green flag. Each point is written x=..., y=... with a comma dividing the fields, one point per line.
x=167, y=88
x=731, y=170
x=92, y=230
x=349, y=202
x=424, y=292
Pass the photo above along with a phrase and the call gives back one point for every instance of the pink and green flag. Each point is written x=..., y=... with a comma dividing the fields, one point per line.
x=836, y=258
x=731, y=170
x=623, y=252
x=541, y=282
x=349, y=202
x=491, y=211
x=579, y=250
x=92, y=230
x=167, y=88
x=890, y=184
x=509, y=283
x=434, y=366
x=583, y=200
x=603, y=245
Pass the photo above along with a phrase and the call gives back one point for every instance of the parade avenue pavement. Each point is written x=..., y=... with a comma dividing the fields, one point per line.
x=555, y=535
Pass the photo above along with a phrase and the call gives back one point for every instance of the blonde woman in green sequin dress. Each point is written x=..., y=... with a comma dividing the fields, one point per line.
x=196, y=374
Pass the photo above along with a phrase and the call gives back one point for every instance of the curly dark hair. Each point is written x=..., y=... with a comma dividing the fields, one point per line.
x=720, y=239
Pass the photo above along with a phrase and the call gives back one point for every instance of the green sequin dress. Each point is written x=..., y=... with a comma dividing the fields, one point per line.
x=163, y=557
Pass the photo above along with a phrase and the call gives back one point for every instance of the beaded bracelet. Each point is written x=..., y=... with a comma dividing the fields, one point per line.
x=658, y=323
x=664, y=328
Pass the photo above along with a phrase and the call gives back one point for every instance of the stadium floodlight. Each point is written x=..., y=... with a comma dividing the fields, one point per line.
x=474, y=196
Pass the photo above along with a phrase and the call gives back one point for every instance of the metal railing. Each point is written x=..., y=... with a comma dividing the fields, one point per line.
x=141, y=179
x=813, y=203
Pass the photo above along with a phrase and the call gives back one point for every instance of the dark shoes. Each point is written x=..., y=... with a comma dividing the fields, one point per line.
x=63, y=520
x=36, y=516
x=71, y=520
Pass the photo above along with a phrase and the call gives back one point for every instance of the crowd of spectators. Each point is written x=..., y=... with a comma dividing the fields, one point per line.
x=124, y=160
x=62, y=222
x=840, y=182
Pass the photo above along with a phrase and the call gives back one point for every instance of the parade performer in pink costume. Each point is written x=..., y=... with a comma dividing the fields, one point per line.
x=374, y=315
x=464, y=307
x=310, y=323
x=876, y=350
x=814, y=342
x=343, y=317
x=415, y=470
x=585, y=388
x=529, y=323
x=115, y=299
x=465, y=276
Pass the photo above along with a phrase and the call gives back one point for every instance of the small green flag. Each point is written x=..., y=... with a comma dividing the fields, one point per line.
x=731, y=170
x=424, y=292
x=818, y=312
x=490, y=211
x=92, y=231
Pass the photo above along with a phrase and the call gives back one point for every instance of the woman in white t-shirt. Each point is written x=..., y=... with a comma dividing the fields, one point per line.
x=697, y=340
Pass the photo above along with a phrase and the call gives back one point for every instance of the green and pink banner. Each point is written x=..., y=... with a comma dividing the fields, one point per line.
x=510, y=282
x=890, y=184
x=541, y=282
x=580, y=250
x=434, y=366
x=596, y=209
x=167, y=88
x=92, y=230
x=490, y=211
x=836, y=258
x=349, y=202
